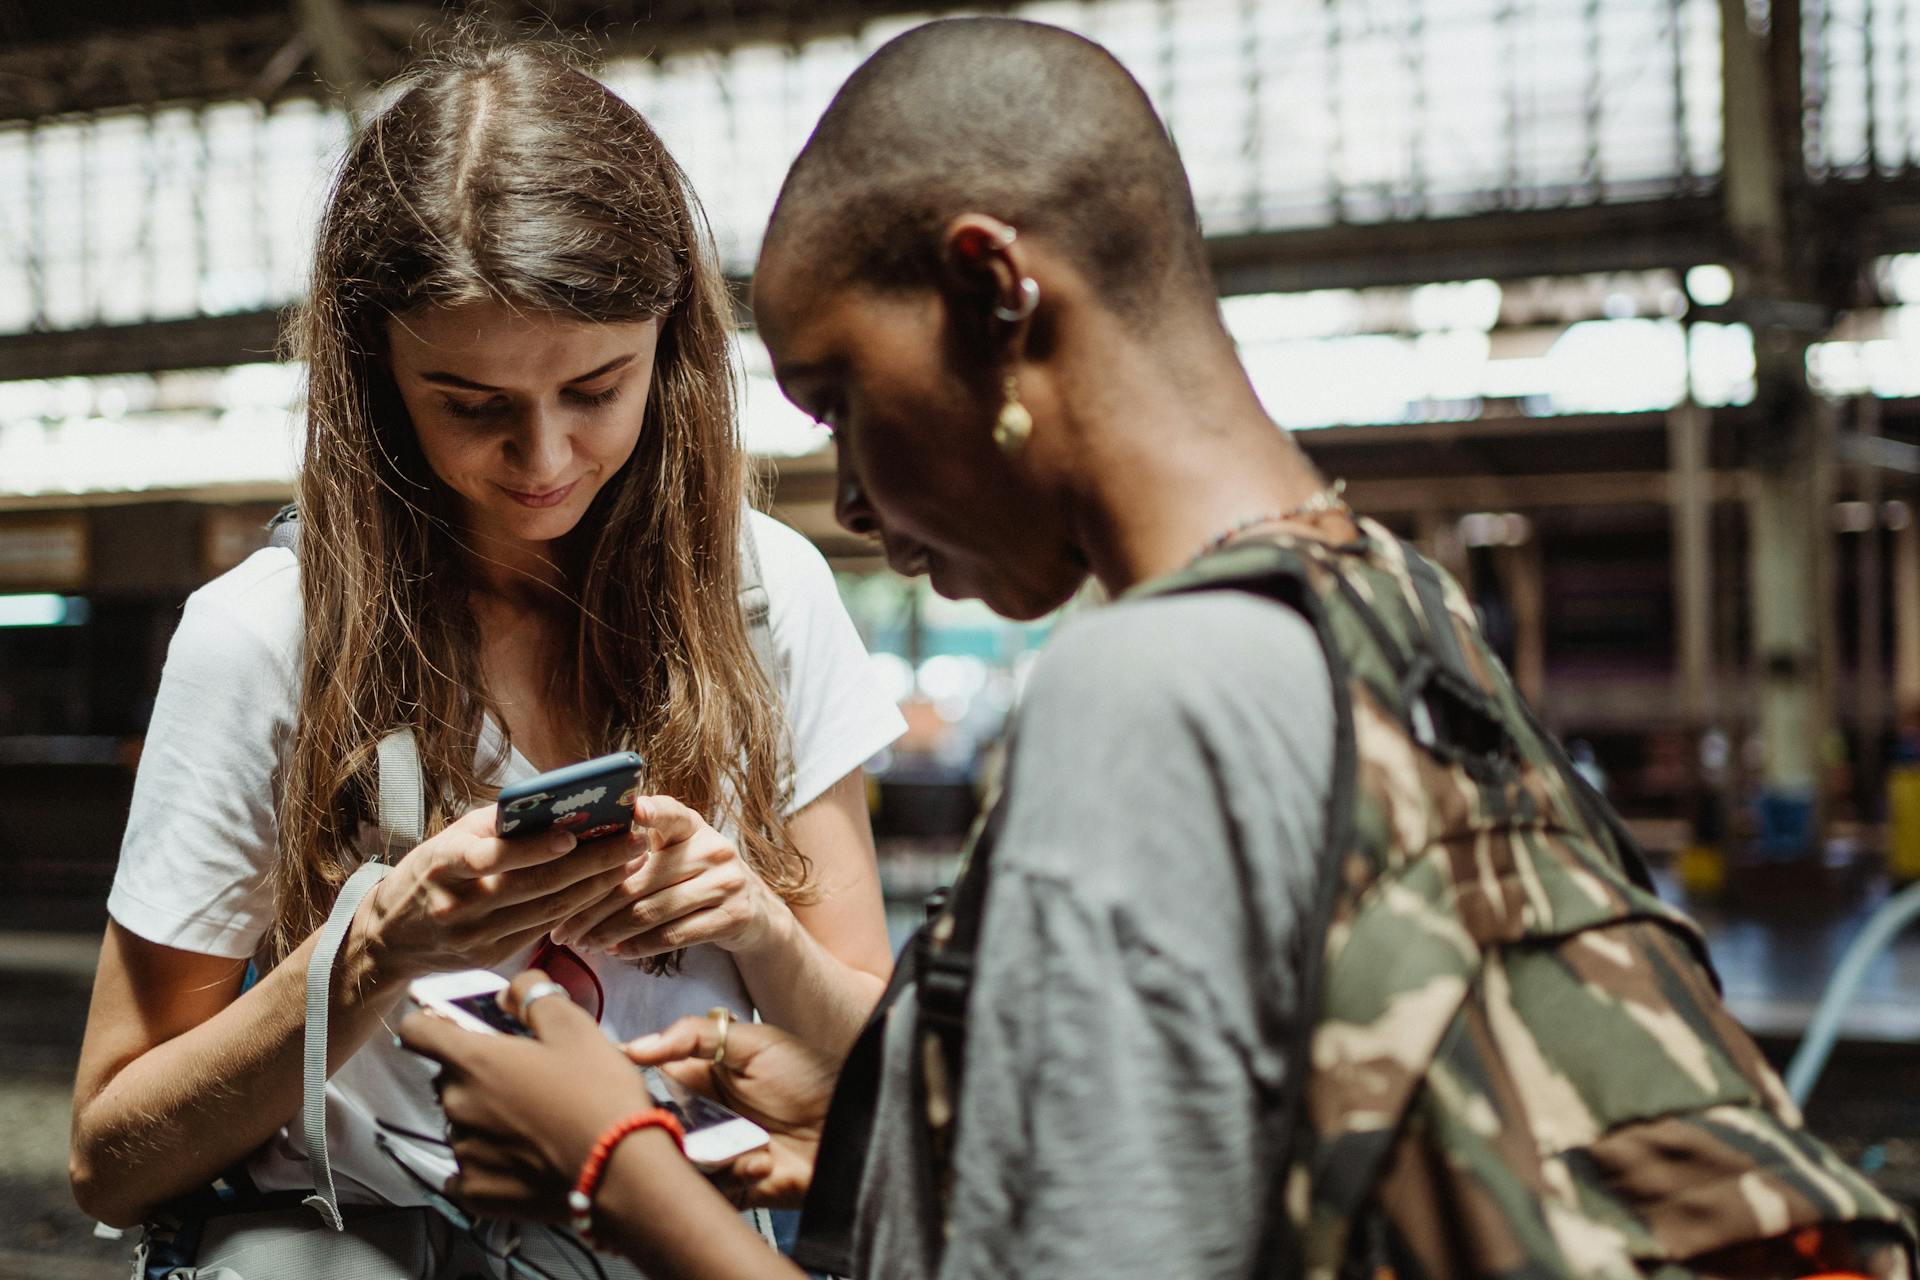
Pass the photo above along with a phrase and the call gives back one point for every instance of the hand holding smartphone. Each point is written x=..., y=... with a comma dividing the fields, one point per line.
x=592, y=800
x=715, y=1136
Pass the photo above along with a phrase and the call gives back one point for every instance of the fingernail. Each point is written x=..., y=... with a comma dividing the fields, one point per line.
x=643, y=1044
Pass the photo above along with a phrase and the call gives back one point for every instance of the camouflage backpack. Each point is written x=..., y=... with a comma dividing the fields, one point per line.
x=1519, y=1064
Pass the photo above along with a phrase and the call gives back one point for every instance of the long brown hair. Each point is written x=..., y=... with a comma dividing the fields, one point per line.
x=502, y=172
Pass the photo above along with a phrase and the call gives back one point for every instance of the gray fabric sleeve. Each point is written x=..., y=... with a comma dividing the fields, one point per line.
x=1168, y=789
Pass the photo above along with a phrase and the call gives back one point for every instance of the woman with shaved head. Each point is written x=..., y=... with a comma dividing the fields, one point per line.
x=1292, y=944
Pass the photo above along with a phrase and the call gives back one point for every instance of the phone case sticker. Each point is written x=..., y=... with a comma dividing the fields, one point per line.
x=578, y=800
x=605, y=829
x=507, y=825
x=628, y=796
x=525, y=803
x=578, y=818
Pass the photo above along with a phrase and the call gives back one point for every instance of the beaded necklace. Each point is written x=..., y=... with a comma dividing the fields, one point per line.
x=1326, y=501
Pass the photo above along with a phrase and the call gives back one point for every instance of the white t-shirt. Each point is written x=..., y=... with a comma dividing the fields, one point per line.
x=196, y=861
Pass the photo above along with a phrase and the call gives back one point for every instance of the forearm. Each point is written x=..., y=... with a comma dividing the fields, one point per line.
x=801, y=987
x=656, y=1209
x=190, y=1107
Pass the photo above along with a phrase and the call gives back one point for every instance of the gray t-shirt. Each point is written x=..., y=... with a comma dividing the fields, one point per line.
x=1167, y=792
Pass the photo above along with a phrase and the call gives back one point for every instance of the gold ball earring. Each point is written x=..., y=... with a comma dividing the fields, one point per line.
x=1014, y=425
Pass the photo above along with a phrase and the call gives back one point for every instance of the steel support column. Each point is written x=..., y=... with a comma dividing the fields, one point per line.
x=1869, y=688
x=1787, y=534
x=1786, y=538
x=1691, y=501
x=1906, y=619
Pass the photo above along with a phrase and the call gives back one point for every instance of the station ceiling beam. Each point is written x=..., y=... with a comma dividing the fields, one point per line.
x=66, y=62
x=203, y=342
x=1668, y=233
x=1501, y=244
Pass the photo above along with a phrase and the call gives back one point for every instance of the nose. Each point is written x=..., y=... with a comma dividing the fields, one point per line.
x=850, y=506
x=541, y=446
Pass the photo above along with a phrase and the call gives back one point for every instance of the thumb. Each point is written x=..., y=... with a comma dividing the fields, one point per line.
x=479, y=822
x=670, y=821
x=752, y=1166
x=553, y=1018
x=434, y=1037
x=694, y=1036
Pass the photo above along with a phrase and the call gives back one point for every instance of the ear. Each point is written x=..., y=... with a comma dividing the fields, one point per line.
x=982, y=263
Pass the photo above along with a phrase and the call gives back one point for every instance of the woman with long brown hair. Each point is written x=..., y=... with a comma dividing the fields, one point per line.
x=523, y=513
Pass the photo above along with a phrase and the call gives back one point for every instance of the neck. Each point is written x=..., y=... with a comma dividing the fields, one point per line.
x=513, y=572
x=1172, y=450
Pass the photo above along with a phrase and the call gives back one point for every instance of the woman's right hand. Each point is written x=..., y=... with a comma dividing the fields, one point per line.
x=774, y=1079
x=466, y=899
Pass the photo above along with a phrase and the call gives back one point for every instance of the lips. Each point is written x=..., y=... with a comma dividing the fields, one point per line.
x=544, y=498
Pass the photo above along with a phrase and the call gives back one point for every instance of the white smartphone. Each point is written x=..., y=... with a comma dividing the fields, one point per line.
x=469, y=998
x=716, y=1137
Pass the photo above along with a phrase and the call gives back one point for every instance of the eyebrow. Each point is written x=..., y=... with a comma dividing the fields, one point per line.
x=467, y=384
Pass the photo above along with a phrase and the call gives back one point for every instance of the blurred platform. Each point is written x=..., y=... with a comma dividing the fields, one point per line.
x=1775, y=965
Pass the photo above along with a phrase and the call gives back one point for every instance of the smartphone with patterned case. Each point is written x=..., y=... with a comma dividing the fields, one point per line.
x=591, y=800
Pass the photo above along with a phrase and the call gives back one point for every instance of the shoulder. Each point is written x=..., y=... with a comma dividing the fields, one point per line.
x=1158, y=725
x=1179, y=654
x=799, y=584
x=786, y=556
x=249, y=615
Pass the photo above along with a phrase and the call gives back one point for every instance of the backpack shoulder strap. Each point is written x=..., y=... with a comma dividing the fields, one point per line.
x=826, y=1239
x=402, y=819
x=755, y=605
x=284, y=529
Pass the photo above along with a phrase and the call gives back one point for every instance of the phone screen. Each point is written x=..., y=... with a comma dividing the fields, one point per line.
x=693, y=1111
x=484, y=1007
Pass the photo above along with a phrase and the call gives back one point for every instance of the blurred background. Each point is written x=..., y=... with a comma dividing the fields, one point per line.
x=1612, y=305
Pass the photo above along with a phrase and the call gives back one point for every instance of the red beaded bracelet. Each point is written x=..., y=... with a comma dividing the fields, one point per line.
x=580, y=1199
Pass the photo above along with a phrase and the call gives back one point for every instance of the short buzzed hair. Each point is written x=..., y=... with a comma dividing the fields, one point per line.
x=1024, y=122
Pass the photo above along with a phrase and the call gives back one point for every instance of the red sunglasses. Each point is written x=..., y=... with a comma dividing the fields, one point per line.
x=568, y=968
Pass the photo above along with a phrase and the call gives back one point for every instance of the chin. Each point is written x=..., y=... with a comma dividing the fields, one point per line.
x=544, y=525
x=1024, y=602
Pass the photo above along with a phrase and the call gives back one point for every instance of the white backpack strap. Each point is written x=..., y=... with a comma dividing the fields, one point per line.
x=402, y=818
x=755, y=606
x=314, y=1074
x=403, y=794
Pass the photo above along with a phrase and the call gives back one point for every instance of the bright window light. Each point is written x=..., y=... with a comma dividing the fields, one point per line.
x=1899, y=277
x=1710, y=284
x=770, y=425
x=36, y=610
x=1467, y=304
x=1287, y=115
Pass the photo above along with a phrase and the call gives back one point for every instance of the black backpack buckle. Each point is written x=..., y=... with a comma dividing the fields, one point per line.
x=944, y=981
x=1454, y=721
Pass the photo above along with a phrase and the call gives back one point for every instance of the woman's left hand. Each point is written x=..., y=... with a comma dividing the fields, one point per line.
x=524, y=1112
x=687, y=885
